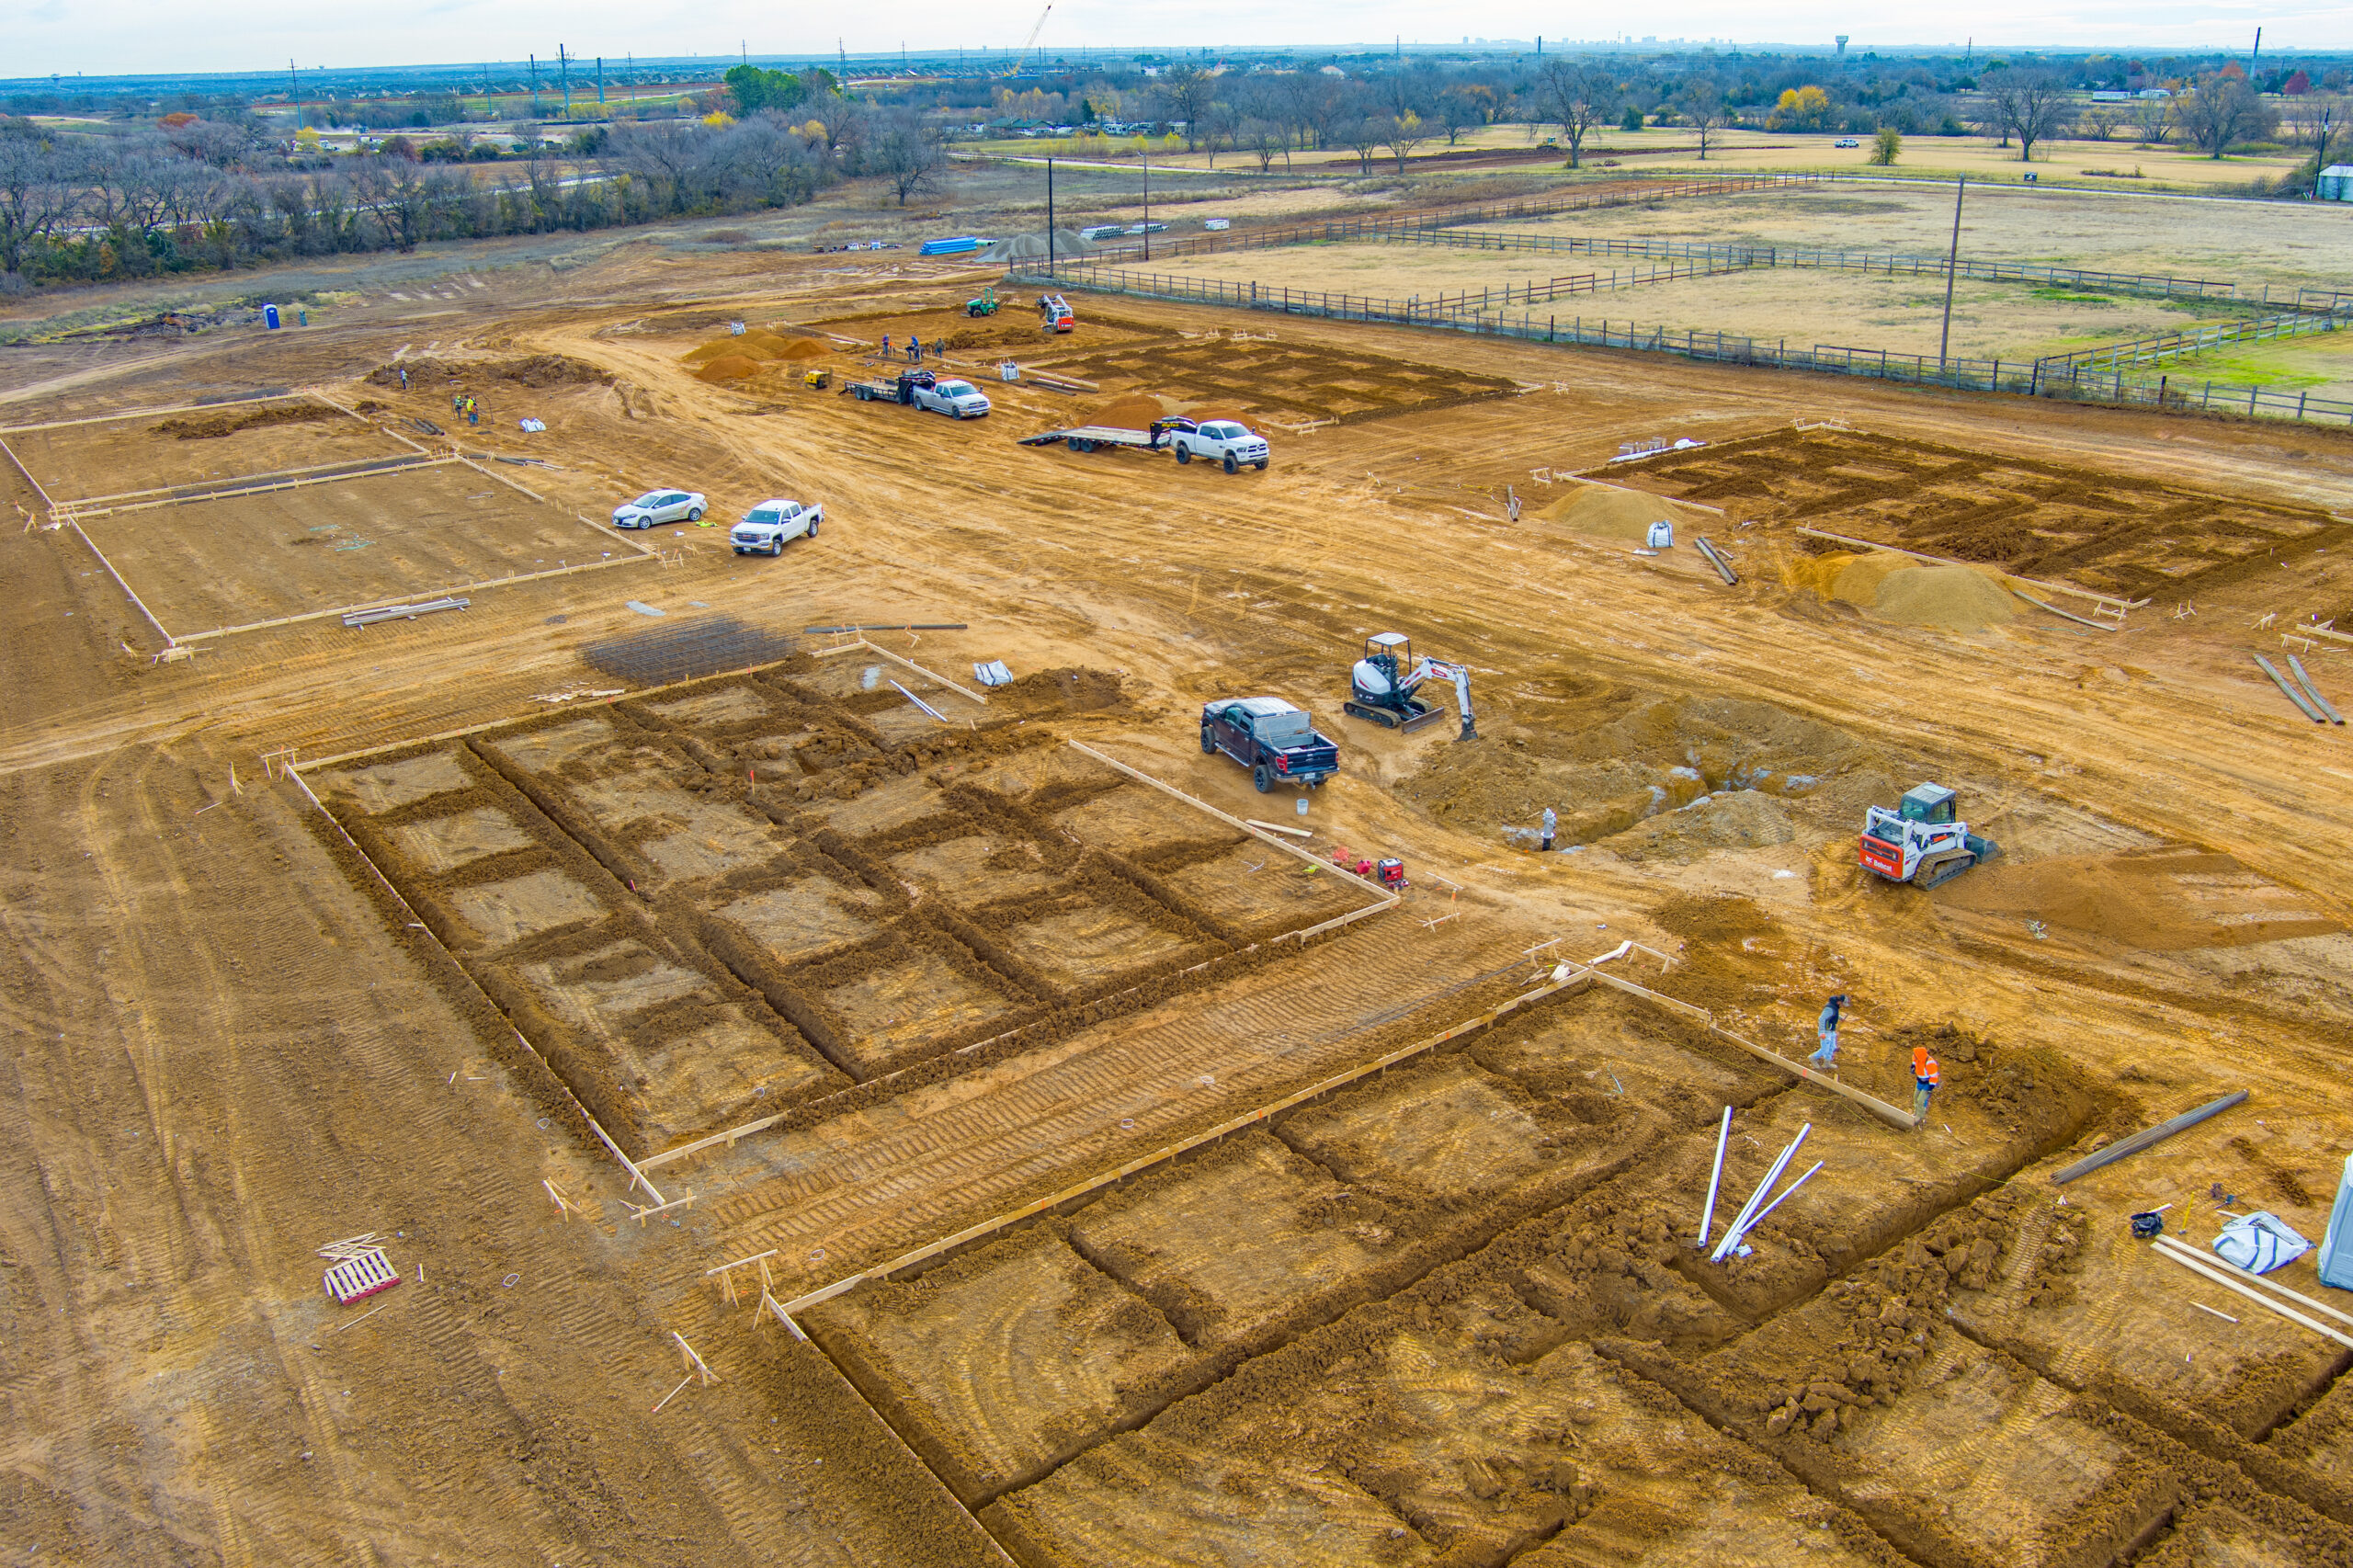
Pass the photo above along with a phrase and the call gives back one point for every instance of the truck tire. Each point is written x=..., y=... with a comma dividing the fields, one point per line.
x=1184, y=453
x=776, y=546
x=1231, y=466
x=813, y=527
x=1261, y=465
x=1263, y=776
x=1208, y=741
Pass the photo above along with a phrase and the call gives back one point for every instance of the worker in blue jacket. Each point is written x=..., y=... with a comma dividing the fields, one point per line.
x=1826, y=1055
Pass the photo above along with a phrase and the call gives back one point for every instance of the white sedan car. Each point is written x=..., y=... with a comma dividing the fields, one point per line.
x=659, y=506
x=767, y=526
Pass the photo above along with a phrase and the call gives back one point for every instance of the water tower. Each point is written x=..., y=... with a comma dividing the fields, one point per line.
x=1842, y=46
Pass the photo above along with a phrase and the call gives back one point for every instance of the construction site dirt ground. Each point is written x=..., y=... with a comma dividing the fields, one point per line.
x=847, y=982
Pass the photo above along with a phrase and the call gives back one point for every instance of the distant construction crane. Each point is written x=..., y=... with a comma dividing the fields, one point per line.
x=1016, y=65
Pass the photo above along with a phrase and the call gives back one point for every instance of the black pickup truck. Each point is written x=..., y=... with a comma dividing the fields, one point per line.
x=1275, y=742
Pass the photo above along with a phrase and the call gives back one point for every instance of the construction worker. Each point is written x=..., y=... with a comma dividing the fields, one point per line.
x=1926, y=1074
x=1552, y=825
x=1826, y=1054
x=404, y=377
x=886, y=346
x=915, y=350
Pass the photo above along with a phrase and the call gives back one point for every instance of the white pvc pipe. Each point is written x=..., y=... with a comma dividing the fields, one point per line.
x=1748, y=1210
x=1775, y=1204
x=1715, y=1180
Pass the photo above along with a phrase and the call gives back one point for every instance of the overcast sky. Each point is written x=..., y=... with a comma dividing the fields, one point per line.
x=115, y=37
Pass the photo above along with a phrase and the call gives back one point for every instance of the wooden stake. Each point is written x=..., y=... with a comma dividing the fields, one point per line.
x=695, y=1361
x=671, y=1395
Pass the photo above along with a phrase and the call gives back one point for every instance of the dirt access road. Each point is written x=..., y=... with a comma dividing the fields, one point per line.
x=232, y=1048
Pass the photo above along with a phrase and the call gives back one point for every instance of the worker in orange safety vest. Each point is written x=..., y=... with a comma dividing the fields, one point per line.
x=1926, y=1077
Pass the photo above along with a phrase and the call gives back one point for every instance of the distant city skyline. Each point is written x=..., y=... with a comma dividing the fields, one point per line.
x=112, y=38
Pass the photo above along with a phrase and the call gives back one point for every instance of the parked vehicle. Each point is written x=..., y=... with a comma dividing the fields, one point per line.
x=1846, y=141
x=660, y=506
x=767, y=526
x=1185, y=437
x=958, y=399
x=922, y=389
x=1277, y=742
x=1220, y=441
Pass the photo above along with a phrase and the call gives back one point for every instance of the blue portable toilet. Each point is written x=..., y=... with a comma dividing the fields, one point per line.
x=269, y=317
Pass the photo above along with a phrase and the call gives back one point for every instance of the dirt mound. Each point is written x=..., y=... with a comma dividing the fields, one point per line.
x=1608, y=512
x=216, y=426
x=536, y=371
x=1069, y=690
x=802, y=348
x=1740, y=819
x=1655, y=756
x=2163, y=902
x=1132, y=411
x=729, y=367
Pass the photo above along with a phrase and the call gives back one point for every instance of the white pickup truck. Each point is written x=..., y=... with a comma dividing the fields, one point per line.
x=921, y=389
x=767, y=526
x=958, y=399
x=1219, y=440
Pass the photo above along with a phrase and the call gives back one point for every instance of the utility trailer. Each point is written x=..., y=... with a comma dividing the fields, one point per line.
x=1214, y=440
x=1093, y=438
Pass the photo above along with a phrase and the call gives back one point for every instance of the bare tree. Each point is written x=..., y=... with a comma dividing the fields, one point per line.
x=1186, y=93
x=1702, y=102
x=2032, y=106
x=840, y=117
x=2099, y=124
x=1401, y=134
x=1265, y=141
x=906, y=155
x=1363, y=135
x=2217, y=111
x=1578, y=97
x=2151, y=118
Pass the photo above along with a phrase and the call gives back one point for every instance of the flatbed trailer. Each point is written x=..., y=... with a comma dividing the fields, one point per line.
x=1088, y=438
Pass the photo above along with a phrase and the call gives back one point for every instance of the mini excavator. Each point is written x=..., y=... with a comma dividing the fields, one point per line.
x=1382, y=686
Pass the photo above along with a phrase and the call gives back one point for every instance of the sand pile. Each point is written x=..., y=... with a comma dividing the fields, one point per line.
x=1607, y=512
x=729, y=368
x=1959, y=599
x=1898, y=588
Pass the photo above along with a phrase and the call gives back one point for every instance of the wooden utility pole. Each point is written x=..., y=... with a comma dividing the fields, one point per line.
x=1952, y=269
x=1147, y=196
x=1050, y=217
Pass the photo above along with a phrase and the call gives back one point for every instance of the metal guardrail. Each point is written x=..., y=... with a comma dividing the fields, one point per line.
x=1494, y=317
